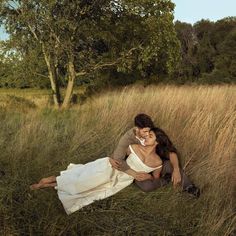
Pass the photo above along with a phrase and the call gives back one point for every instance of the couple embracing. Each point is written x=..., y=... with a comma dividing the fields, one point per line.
x=144, y=155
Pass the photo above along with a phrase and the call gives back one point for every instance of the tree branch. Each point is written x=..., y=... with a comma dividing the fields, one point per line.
x=100, y=65
x=35, y=73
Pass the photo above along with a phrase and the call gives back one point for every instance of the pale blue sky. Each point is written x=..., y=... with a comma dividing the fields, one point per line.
x=192, y=11
x=3, y=35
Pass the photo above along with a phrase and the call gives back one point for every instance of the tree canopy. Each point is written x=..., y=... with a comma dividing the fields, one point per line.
x=78, y=38
x=62, y=43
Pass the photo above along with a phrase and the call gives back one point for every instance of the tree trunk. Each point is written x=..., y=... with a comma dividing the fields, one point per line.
x=70, y=84
x=53, y=76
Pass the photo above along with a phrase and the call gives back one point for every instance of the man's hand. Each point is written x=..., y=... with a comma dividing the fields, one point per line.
x=114, y=163
x=176, y=177
x=141, y=176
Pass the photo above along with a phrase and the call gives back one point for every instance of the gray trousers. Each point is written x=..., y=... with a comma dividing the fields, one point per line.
x=166, y=172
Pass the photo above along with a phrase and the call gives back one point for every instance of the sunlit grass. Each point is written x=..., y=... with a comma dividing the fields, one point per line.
x=36, y=142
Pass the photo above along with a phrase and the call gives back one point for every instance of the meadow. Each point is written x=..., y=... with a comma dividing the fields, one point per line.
x=36, y=141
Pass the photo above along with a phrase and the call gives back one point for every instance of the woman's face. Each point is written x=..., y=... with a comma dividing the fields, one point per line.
x=150, y=139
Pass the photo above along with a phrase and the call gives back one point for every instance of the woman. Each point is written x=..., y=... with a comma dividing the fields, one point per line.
x=171, y=169
x=80, y=185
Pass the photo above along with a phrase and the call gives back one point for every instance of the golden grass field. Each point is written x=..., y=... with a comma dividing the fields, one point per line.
x=37, y=140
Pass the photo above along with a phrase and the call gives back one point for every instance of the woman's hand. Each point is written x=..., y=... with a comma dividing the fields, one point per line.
x=176, y=177
x=141, y=176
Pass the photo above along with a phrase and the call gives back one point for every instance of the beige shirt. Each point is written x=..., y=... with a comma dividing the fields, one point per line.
x=120, y=152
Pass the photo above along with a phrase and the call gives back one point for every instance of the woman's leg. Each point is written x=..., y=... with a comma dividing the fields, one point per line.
x=44, y=183
x=48, y=180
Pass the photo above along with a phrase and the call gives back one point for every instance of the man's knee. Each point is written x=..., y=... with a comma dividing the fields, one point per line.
x=148, y=185
x=146, y=189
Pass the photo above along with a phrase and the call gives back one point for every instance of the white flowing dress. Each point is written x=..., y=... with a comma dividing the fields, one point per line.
x=80, y=185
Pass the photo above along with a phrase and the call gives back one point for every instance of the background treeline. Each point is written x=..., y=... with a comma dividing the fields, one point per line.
x=127, y=42
x=208, y=51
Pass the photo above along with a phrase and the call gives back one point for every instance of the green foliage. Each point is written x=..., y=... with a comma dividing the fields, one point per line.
x=127, y=36
x=225, y=62
x=207, y=51
x=22, y=70
x=121, y=43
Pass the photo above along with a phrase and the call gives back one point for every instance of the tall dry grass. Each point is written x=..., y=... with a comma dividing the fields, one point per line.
x=201, y=122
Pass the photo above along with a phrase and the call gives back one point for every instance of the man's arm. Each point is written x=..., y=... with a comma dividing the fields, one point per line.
x=138, y=176
x=121, y=148
x=157, y=182
x=119, y=154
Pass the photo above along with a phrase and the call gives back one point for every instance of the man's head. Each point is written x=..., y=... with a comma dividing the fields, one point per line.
x=143, y=124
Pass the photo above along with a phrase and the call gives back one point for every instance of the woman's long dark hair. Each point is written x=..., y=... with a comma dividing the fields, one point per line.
x=165, y=146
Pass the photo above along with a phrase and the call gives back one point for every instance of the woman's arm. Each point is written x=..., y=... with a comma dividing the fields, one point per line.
x=176, y=176
x=174, y=160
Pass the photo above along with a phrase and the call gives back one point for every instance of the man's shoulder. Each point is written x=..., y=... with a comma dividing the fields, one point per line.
x=130, y=133
x=129, y=137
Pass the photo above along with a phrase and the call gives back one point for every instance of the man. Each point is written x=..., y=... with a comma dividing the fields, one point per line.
x=170, y=170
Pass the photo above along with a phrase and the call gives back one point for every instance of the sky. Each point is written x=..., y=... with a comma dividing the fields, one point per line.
x=191, y=11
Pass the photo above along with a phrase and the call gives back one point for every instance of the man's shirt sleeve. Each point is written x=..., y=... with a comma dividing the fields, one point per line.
x=121, y=150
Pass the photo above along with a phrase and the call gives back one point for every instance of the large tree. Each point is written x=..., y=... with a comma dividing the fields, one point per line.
x=83, y=36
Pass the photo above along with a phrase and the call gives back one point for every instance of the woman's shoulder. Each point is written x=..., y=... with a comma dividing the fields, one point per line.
x=133, y=147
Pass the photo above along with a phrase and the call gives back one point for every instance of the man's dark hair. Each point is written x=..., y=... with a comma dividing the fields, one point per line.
x=143, y=121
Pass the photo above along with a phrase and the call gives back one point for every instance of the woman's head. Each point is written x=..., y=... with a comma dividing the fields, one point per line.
x=163, y=144
x=151, y=139
x=156, y=135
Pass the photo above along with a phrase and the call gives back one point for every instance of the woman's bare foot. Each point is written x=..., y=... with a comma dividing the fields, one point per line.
x=35, y=186
x=43, y=185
